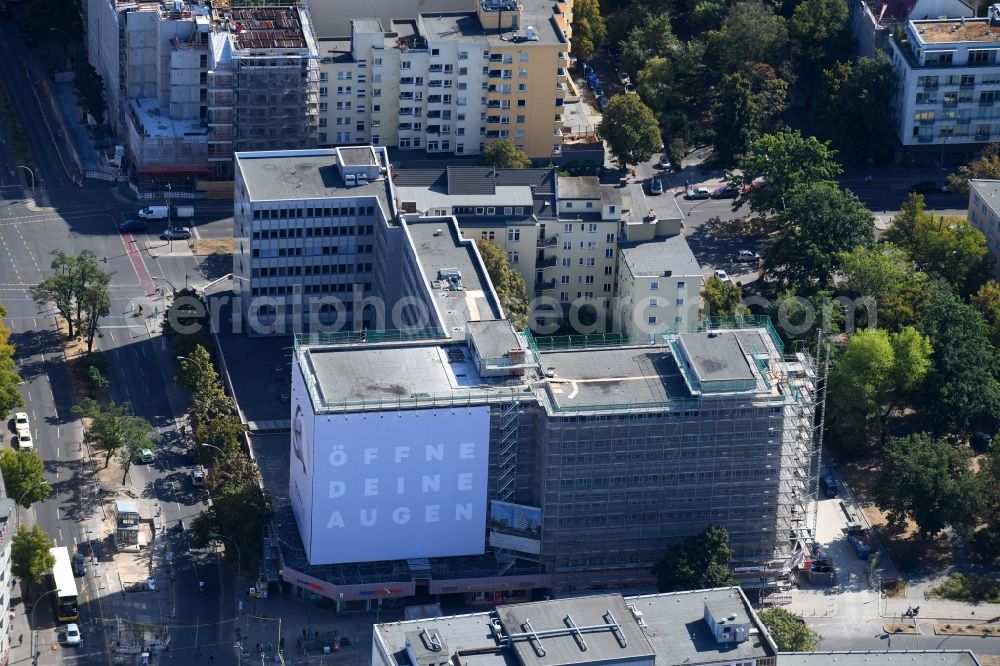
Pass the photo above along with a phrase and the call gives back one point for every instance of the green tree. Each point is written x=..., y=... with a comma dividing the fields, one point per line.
x=10, y=397
x=949, y=247
x=224, y=432
x=854, y=108
x=700, y=561
x=589, y=31
x=673, y=87
x=29, y=553
x=722, y=299
x=630, y=130
x=59, y=289
x=820, y=222
x=986, y=302
x=24, y=477
x=78, y=289
x=930, y=482
x=887, y=275
x=108, y=428
x=503, y=154
x=198, y=373
x=788, y=632
x=985, y=166
x=507, y=282
x=799, y=315
x=752, y=32
x=651, y=37
x=96, y=304
x=141, y=435
x=747, y=101
x=240, y=508
x=777, y=163
x=820, y=30
x=186, y=323
x=89, y=88
x=961, y=386
x=878, y=374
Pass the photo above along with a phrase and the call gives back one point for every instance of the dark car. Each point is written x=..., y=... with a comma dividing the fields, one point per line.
x=132, y=225
x=926, y=187
x=725, y=192
x=176, y=233
x=79, y=565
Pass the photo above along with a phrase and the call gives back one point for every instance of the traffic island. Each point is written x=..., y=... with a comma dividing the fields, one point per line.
x=966, y=630
x=909, y=629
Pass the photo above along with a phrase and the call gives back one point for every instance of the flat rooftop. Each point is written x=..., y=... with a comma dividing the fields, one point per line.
x=988, y=190
x=656, y=257
x=590, y=378
x=672, y=631
x=439, y=246
x=156, y=122
x=465, y=25
x=622, y=639
x=717, y=356
x=949, y=31
x=302, y=174
x=676, y=627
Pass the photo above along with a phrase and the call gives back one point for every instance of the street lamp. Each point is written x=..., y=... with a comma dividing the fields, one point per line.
x=213, y=446
x=28, y=169
x=65, y=45
x=193, y=360
x=34, y=641
x=239, y=560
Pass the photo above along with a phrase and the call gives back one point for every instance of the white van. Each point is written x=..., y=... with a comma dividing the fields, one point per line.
x=153, y=213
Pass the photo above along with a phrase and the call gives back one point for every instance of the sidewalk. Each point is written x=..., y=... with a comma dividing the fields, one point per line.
x=942, y=610
x=299, y=617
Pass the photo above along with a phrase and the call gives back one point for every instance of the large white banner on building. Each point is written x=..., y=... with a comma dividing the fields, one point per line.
x=398, y=485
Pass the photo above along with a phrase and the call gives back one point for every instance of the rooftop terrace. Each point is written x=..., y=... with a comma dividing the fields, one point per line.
x=948, y=31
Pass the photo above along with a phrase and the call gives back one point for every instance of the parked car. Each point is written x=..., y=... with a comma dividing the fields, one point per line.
x=79, y=565
x=656, y=186
x=132, y=225
x=146, y=455
x=927, y=187
x=698, y=193
x=630, y=89
x=176, y=233
x=723, y=275
x=72, y=634
x=20, y=421
x=725, y=192
x=747, y=255
x=665, y=162
x=24, y=441
x=624, y=78
x=197, y=478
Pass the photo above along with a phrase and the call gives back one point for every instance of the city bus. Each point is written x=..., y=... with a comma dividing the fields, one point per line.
x=62, y=579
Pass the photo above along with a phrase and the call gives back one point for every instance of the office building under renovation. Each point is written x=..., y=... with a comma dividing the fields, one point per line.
x=469, y=458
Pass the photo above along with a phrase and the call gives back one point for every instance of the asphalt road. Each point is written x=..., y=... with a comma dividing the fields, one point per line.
x=73, y=219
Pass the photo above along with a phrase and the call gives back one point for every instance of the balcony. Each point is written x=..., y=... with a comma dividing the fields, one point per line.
x=560, y=87
x=547, y=262
x=967, y=85
x=544, y=285
x=925, y=139
x=564, y=57
x=982, y=137
x=551, y=241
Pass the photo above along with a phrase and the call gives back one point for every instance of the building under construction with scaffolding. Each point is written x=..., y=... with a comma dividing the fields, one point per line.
x=600, y=453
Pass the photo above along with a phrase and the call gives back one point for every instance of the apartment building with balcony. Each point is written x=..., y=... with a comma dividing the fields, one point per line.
x=872, y=21
x=188, y=83
x=450, y=82
x=984, y=214
x=948, y=102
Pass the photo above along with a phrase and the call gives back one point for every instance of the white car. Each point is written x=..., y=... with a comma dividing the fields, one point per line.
x=197, y=478
x=698, y=193
x=20, y=421
x=747, y=255
x=723, y=275
x=146, y=456
x=72, y=634
x=24, y=441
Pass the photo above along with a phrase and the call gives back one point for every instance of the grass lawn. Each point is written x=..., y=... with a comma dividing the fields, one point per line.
x=967, y=587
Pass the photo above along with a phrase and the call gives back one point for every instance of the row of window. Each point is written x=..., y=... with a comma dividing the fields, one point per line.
x=310, y=232
x=330, y=211
x=311, y=269
x=311, y=289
